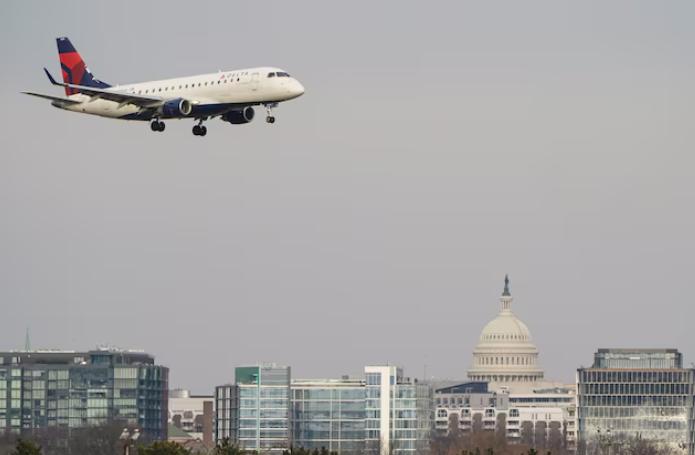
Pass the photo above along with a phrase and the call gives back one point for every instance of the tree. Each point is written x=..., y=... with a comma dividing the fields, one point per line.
x=97, y=440
x=25, y=447
x=163, y=448
x=225, y=447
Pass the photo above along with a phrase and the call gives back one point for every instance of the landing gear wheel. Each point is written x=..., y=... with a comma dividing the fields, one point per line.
x=154, y=126
x=203, y=131
x=196, y=130
x=269, y=112
x=161, y=126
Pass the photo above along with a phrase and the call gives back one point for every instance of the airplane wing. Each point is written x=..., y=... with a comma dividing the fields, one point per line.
x=53, y=98
x=111, y=95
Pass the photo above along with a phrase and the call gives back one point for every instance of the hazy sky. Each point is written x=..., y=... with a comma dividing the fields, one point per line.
x=439, y=145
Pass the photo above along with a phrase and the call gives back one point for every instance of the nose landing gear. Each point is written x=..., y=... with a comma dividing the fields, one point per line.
x=269, y=110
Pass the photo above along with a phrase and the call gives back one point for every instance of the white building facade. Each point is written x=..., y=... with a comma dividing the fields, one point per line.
x=192, y=414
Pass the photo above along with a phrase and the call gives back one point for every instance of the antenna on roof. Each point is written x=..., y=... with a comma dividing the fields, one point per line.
x=27, y=341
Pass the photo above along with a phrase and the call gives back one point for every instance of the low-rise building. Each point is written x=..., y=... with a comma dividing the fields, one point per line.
x=543, y=417
x=193, y=415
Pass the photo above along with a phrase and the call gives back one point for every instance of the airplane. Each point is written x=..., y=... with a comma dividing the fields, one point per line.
x=229, y=95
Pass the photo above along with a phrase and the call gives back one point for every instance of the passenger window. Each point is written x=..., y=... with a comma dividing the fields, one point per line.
x=206, y=83
x=160, y=89
x=271, y=74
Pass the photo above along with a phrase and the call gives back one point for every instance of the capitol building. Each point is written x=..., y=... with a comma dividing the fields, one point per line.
x=505, y=353
x=507, y=391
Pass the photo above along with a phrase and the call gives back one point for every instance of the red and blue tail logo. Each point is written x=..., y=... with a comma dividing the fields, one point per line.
x=74, y=69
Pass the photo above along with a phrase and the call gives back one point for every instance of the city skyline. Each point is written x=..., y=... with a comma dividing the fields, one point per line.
x=436, y=148
x=506, y=298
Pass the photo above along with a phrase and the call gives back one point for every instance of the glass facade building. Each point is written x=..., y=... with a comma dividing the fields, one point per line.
x=643, y=393
x=329, y=413
x=255, y=411
x=384, y=413
x=80, y=389
x=399, y=412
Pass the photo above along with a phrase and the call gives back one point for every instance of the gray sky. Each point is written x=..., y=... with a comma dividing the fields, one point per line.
x=438, y=147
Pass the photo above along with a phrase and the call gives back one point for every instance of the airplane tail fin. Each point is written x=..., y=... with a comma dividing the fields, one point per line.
x=74, y=69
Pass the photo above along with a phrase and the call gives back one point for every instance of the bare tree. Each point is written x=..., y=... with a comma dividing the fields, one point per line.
x=539, y=438
x=555, y=436
x=527, y=433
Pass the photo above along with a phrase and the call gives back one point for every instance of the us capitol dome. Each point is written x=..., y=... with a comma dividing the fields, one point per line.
x=505, y=354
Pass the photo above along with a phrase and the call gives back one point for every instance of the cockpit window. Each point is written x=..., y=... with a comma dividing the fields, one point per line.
x=271, y=74
x=281, y=74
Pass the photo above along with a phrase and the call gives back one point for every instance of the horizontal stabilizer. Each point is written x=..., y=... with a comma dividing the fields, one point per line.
x=53, y=98
x=110, y=94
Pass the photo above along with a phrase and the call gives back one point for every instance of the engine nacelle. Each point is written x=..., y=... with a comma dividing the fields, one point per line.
x=178, y=107
x=239, y=116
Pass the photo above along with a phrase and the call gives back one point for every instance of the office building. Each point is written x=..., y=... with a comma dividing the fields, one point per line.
x=67, y=389
x=254, y=412
x=636, y=393
x=383, y=413
x=399, y=413
x=329, y=413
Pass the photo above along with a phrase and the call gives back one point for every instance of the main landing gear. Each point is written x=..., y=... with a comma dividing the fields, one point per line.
x=200, y=129
x=269, y=110
x=156, y=125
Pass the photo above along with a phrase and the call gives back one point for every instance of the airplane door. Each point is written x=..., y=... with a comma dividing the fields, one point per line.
x=255, y=79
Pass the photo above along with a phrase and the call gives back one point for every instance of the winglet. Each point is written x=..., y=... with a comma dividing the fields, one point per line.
x=50, y=78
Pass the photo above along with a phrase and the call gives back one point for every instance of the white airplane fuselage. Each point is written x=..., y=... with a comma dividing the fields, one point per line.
x=229, y=95
x=210, y=94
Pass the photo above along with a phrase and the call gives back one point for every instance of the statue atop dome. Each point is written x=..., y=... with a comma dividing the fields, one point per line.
x=506, y=292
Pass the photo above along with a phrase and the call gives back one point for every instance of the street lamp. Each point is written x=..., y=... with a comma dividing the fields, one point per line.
x=128, y=439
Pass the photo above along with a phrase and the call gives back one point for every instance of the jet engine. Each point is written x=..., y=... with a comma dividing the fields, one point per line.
x=178, y=107
x=239, y=116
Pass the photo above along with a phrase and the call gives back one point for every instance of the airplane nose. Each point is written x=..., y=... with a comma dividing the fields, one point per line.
x=297, y=89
